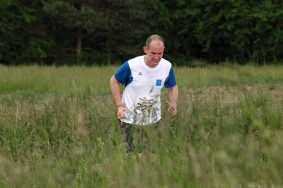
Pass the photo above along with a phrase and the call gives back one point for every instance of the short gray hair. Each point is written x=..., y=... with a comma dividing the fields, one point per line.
x=153, y=37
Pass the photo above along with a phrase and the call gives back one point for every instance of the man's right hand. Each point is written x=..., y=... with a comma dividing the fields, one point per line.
x=120, y=113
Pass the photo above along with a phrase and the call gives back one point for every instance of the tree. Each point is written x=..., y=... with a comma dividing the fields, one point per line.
x=75, y=16
x=23, y=36
x=111, y=31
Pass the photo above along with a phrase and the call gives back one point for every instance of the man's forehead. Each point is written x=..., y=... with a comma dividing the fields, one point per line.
x=156, y=45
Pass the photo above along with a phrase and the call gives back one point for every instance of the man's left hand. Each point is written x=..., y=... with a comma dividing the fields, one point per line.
x=171, y=108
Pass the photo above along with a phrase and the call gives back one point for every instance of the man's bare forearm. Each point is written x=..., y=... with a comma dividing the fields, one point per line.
x=173, y=95
x=115, y=90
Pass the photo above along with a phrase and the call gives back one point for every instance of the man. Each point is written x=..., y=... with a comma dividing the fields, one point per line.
x=143, y=78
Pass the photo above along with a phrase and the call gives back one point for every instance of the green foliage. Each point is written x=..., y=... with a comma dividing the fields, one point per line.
x=71, y=16
x=109, y=32
x=238, y=30
x=23, y=37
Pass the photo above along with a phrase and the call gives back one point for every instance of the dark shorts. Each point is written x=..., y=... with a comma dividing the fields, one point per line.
x=140, y=138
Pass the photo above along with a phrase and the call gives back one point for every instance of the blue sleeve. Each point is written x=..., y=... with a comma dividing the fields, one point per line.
x=170, y=80
x=124, y=74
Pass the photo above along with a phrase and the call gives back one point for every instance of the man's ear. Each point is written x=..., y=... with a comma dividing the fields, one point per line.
x=145, y=49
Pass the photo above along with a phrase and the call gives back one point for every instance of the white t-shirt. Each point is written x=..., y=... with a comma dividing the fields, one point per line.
x=142, y=90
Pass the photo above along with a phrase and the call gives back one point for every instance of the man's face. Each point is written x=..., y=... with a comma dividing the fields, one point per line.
x=154, y=53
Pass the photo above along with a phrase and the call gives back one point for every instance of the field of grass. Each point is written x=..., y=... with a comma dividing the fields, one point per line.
x=58, y=128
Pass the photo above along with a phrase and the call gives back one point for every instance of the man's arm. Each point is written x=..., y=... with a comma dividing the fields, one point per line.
x=173, y=99
x=115, y=90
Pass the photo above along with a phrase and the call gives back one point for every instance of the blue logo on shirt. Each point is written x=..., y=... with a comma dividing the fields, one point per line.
x=158, y=82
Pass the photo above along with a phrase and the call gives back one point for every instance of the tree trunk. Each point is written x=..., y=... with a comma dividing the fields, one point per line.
x=79, y=45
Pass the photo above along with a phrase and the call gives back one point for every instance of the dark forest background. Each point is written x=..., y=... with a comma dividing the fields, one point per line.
x=61, y=32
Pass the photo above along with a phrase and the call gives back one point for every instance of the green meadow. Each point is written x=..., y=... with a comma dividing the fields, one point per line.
x=58, y=128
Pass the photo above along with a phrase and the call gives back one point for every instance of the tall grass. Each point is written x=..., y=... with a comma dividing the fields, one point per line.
x=58, y=128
